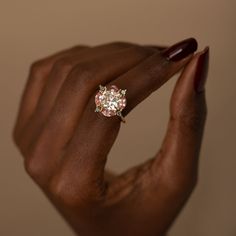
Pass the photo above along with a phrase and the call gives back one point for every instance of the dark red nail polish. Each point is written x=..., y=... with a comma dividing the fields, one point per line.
x=181, y=50
x=201, y=71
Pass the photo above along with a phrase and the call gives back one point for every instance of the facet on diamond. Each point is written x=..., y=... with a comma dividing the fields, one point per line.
x=110, y=101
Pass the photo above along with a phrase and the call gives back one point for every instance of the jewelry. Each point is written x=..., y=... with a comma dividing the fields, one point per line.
x=110, y=101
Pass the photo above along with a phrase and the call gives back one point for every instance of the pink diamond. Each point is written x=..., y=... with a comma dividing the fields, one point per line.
x=110, y=101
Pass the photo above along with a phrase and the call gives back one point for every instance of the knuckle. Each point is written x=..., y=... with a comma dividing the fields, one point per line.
x=79, y=47
x=63, y=66
x=33, y=168
x=82, y=76
x=74, y=194
x=34, y=163
x=120, y=45
x=39, y=68
x=65, y=192
x=20, y=139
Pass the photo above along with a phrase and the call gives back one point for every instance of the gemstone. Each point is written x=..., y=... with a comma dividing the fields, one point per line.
x=110, y=101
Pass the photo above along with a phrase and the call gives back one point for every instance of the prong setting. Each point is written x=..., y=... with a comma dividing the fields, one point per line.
x=123, y=91
x=98, y=109
x=102, y=88
x=110, y=101
x=118, y=113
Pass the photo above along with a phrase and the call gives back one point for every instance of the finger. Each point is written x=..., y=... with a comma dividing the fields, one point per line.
x=158, y=47
x=92, y=150
x=37, y=78
x=62, y=68
x=166, y=181
x=53, y=83
x=150, y=75
x=173, y=172
x=72, y=100
x=180, y=150
x=47, y=75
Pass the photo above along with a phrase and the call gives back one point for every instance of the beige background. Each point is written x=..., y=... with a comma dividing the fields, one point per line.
x=32, y=29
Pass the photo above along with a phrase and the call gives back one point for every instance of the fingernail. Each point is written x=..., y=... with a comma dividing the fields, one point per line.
x=201, y=71
x=181, y=50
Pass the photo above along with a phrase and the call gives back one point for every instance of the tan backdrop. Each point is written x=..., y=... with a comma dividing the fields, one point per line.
x=32, y=29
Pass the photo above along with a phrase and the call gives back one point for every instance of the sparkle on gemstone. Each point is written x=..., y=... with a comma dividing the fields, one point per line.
x=110, y=101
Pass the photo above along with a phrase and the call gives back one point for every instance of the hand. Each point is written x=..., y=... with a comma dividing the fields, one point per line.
x=65, y=143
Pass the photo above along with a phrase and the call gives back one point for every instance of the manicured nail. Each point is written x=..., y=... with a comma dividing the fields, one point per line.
x=201, y=71
x=181, y=50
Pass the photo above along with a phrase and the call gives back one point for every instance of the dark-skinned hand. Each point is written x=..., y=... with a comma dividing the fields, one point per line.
x=65, y=144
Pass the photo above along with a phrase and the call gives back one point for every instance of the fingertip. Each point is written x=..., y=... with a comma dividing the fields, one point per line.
x=201, y=71
x=180, y=50
x=187, y=98
x=194, y=75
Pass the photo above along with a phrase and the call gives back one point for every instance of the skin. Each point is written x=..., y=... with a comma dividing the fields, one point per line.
x=65, y=144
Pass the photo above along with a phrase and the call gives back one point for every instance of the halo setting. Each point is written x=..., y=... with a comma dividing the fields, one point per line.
x=110, y=101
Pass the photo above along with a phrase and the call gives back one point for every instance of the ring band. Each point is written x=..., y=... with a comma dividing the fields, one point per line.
x=110, y=101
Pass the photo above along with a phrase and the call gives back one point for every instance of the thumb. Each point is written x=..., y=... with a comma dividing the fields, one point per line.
x=181, y=146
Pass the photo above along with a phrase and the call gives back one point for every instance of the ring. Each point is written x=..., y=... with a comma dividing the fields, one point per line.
x=110, y=101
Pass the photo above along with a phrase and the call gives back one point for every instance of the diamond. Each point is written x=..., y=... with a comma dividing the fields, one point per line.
x=110, y=101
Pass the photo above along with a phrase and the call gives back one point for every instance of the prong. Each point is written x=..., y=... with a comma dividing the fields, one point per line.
x=98, y=109
x=118, y=113
x=123, y=91
x=102, y=88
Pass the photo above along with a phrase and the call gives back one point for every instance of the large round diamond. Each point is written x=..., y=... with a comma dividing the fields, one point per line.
x=110, y=101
